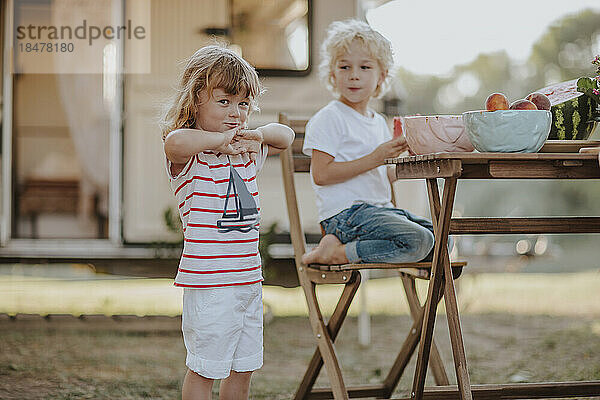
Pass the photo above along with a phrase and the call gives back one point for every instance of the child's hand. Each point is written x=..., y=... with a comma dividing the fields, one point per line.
x=252, y=147
x=248, y=141
x=227, y=146
x=250, y=134
x=391, y=149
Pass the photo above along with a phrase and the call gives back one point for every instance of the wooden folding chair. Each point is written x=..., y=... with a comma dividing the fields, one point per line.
x=292, y=160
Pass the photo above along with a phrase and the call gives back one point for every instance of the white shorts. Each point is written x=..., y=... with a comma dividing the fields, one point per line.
x=223, y=329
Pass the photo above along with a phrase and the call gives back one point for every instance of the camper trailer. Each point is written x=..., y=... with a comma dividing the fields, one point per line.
x=83, y=175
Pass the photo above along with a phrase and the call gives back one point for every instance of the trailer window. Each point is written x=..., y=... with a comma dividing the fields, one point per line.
x=273, y=35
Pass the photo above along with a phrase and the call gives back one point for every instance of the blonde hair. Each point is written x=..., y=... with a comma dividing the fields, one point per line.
x=340, y=36
x=209, y=68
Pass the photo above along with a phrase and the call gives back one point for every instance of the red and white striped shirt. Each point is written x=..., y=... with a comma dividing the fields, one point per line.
x=211, y=256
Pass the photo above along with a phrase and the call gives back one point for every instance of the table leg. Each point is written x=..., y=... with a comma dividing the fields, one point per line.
x=434, y=290
x=416, y=309
x=441, y=214
x=458, y=348
x=456, y=338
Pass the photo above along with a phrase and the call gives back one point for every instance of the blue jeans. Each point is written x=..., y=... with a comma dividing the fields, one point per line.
x=375, y=234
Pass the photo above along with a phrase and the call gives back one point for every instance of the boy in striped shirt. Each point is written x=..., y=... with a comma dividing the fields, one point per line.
x=212, y=162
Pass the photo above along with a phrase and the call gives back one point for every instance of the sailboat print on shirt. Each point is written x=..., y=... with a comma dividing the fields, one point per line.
x=246, y=216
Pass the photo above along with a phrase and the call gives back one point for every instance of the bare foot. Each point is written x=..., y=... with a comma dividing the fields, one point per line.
x=329, y=251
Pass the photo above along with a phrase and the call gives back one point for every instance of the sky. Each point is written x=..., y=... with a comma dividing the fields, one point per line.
x=431, y=37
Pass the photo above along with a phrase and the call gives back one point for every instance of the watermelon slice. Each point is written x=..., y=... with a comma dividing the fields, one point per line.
x=574, y=114
x=561, y=92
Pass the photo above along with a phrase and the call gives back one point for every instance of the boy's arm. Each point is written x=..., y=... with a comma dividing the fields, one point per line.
x=181, y=144
x=326, y=171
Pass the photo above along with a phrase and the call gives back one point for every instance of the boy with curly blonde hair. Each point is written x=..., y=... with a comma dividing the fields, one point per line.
x=349, y=142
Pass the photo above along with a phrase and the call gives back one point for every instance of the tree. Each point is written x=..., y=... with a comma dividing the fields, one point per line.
x=567, y=48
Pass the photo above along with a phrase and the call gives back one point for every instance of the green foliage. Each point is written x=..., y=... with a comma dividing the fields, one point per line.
x=590, y=87
x=567, y=46
x=173, y=223
x=421, y=91
x=265, y=240
x=429, y=94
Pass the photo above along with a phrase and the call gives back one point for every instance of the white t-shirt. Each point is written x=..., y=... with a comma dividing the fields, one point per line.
x=347, y=135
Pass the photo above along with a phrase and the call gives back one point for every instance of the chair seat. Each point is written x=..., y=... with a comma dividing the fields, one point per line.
x=421, y=270
x=350, y=267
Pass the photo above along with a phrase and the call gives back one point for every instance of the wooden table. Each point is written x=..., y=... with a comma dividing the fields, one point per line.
x=454, y=166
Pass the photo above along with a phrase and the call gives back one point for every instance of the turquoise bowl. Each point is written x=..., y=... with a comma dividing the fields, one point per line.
x=508, y=131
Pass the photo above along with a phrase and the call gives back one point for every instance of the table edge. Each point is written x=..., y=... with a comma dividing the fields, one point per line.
x=491, y=156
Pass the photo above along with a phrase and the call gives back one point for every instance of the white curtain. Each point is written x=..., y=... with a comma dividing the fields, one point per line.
x=83, y=97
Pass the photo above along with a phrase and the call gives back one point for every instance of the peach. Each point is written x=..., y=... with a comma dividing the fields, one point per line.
x=496, y=101
x=541, y=101
x=523, y=105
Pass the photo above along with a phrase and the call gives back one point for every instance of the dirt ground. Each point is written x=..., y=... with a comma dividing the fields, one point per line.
x=143, y=358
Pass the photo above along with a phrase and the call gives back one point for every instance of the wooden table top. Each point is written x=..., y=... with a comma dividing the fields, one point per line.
x=473, y=157
x=498, y=166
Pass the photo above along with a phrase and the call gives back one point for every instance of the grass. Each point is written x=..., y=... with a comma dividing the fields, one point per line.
x=517, y=327
x=105, y=359
x=562, y=294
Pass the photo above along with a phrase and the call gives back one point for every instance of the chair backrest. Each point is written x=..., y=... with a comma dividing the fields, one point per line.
x=292, y=160
x=298, y=125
